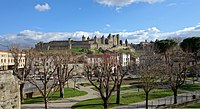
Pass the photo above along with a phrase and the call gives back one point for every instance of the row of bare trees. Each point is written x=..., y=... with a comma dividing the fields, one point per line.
x=164, y=64
x=22, y=74
x=157, y=71
x=52, y=68
x=109, y=77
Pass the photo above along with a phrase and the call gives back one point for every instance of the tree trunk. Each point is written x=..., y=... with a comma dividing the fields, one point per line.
x=75, y=84
x=21, y=91
x=67, y=83
x=105, y=103
x=45, y=102
x=175, y=96
x=118, y=94
x=61, y=90
x=193, y=80
x=45, y=93
x=147, y=98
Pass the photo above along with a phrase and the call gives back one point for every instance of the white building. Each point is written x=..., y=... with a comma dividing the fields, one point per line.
x=97, y=59
x=125, y=59
x=7, y=60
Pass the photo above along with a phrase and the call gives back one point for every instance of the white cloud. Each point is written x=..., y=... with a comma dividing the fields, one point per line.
x=153, y=29
x=122, y=3
x=29, y=37
x=140, y=35
x=171, y=4
x=108, y=25
x=42, y=7
x=118, y=9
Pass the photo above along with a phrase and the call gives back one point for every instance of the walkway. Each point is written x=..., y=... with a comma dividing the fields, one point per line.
x=156, y=103
x=66, y=102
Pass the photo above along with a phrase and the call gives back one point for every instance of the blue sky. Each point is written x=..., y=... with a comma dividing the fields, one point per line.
x=31, y=21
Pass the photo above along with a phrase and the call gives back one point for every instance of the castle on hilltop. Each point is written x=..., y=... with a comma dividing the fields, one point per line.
x=86, y=42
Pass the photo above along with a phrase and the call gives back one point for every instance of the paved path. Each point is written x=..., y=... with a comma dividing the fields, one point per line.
x=64, y=103
x=157, y=103
x=68, y=102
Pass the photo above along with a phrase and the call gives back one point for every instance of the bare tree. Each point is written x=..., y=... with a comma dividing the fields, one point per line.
x=193, y=70
x=75, y=78
x=149, y=71
x=64, y=71
x=45, y=66
x=176, y=69
x=121, y=72
x=22, y=65
x=106, y=75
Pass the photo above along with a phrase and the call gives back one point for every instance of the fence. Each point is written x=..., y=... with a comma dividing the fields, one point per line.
x=169, y=101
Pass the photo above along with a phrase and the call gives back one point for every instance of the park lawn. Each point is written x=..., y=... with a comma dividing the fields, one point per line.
x=69, y=92
x=128, y=87
x=190, y=87
x=190, y=78
x=122, y=88
x=196, y=105
x=126, y=99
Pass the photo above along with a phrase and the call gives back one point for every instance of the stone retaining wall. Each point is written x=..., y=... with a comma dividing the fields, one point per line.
x=9, y=91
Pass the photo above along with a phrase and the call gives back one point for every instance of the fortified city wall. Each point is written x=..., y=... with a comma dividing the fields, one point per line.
x=86, y=42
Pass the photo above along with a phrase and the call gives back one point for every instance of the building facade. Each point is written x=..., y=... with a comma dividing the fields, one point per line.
x=123, y=59
x=7, y=60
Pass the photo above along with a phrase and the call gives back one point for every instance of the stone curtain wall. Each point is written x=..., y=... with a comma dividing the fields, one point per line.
x=113, y=40
x=9, y=91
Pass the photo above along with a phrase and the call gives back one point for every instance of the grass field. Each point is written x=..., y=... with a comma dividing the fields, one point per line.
x=197, y=105
x=69, y=92
x=85, y=51
x=125, y=99
x=195, y=79
x=122, y=88
x=190, y=87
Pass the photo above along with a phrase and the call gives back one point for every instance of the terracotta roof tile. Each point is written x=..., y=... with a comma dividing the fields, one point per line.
x=3, y=51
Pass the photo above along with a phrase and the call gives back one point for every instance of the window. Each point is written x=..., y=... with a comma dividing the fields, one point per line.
x=4, y=60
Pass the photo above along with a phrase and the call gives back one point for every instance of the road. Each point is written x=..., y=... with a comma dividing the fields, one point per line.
x=28, y=87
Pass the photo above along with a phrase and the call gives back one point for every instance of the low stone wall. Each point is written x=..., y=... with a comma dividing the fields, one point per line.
x=9, y=91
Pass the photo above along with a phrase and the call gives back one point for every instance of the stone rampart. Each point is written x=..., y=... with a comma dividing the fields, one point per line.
x=9, y=91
